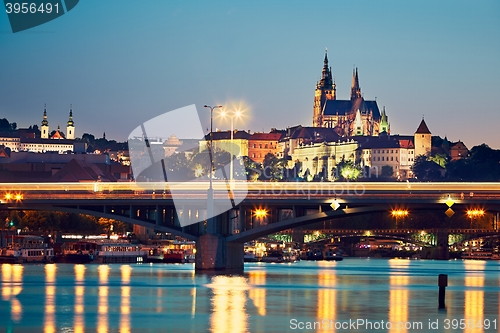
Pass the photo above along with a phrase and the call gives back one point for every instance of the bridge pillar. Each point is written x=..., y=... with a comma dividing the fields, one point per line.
x=298, y=235
x=442, y=244
x=213, y=252
x=441, y=250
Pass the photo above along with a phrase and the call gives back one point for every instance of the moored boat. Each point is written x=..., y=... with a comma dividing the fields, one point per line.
x=273, y=256
x=26, y=248
x=481, y=254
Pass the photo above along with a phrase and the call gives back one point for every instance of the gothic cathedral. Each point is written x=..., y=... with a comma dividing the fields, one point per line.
x=353, y=117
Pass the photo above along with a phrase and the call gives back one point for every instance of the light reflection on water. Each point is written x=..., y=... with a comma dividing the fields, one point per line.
x=157, y=298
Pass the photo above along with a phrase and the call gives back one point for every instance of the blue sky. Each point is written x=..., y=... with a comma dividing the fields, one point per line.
x=122, y=62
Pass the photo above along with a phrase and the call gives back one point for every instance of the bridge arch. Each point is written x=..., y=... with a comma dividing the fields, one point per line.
x=120, y=218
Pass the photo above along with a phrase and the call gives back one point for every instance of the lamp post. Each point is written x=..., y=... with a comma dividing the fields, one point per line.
x=210, y=208
x=399, y=213
x=236, y=113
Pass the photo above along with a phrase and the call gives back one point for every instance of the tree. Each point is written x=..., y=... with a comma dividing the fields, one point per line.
x=482, y=164
x=253, y=170
x=426, y=170
x=440, y=159
x=178, y=167
x=348, y=170
x=4, y=125
x=387, y=171
x=273, y=168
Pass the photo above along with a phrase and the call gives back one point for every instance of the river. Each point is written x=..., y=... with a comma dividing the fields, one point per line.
x=354, y=295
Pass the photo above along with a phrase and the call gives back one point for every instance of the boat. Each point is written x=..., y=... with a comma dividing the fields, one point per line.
x=314, y=254
x=273, y=256
x=333, y=255
x=73, y=252
x=26, y=248
x=154, y=254
x=174, y=257
x=170, y=251
x=101, y=251
x=120, y=250
x=250, y=256
x=481, y=254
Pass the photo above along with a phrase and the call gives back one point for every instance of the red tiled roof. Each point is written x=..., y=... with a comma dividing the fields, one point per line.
x=265, y=136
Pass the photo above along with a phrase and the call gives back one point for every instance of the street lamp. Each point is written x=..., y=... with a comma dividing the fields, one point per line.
x=236, y=114
x=210, y=208
x=474, y=213
x=399, y=213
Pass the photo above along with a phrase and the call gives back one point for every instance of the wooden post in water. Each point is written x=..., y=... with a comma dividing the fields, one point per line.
x=442, y=283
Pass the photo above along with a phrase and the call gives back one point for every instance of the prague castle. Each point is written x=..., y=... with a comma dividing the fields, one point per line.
x=352, y=117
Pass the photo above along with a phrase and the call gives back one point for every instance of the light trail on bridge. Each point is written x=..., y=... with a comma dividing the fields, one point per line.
x=312, y=187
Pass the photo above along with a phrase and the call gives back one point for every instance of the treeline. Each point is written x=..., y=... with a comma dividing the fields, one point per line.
x=481, y=165
x=50, y=221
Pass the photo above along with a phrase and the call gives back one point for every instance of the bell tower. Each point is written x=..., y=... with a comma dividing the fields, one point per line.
x=44, y=129
x=325, y=90
x=70, y=128
x=422, y=139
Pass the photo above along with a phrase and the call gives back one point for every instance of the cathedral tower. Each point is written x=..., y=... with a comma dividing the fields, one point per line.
x=70, y=128
x=355, y=89
x=422, y=139
x=44, y=129
x=325, y=90
x=384, y=123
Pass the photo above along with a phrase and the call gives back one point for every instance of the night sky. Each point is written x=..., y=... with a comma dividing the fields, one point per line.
x=122, y=62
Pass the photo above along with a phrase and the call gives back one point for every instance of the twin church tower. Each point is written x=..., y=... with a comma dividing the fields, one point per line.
x=70, y=127
x=352, y=117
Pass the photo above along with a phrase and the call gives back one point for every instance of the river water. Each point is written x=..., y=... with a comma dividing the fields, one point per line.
x=354, y=295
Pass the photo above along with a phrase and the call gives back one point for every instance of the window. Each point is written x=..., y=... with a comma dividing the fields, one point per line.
x=382, y=158
x=265, y=146
x=254, y=145
x=378, y=158
x=392, y=158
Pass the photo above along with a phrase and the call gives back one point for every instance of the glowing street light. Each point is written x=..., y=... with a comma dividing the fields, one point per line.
x=235, y=114
x=11, y=196
x=399, y=213
x=260, y=213
x=475, y=213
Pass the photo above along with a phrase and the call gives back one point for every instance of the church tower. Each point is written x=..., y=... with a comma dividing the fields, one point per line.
x=325, y=90
x=358, y=124
x=70, y=128
x=384, y=123
x=422, y=139
x=355, y=89
x=44, y=129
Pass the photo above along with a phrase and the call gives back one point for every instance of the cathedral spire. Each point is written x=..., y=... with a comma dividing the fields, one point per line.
x=355, y=89
x=325, y=90
x=326, y=71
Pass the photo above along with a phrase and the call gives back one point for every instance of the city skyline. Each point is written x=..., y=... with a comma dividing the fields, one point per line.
x=122, y=65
